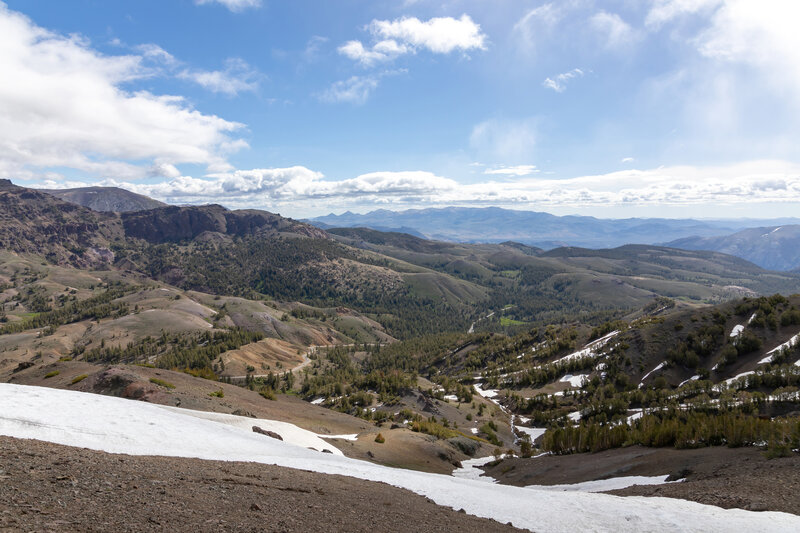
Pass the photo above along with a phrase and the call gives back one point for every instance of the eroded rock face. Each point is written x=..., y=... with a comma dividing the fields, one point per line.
x=173, y=224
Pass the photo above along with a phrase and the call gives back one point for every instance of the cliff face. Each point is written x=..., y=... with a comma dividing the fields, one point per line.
x=173, y=224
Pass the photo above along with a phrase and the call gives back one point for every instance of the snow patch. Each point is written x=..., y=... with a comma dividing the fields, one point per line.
x=533, y=433
x=602, y=485
x=590, y=350
x=659, y=367
x=775, y=351
x=737, y=330
x=574, y=381
x=693, y=378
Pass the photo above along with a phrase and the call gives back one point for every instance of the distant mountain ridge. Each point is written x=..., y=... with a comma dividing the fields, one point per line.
x=772, y=247
x=495, y=225
x=105, y=199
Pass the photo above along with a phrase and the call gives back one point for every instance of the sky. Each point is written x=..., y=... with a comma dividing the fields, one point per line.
x=616, y=108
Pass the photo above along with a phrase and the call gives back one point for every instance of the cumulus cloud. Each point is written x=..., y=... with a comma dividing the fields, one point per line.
x=237, y=77
x=440, y=35
x=558, y=83
x=237, y=6
x=393, y=38
x=68, y=107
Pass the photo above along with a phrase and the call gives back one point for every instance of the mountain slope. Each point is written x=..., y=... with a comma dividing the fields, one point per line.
x=774, y=247
x=105, y=199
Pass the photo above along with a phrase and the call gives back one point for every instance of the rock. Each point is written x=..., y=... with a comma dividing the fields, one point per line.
x=254, y=507
x=266, y=432
x=683, y=473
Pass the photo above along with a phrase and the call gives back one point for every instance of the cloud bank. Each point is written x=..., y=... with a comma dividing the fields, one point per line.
x=305, y=191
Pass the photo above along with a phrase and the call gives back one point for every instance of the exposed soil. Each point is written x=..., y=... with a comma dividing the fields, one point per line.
x=726, y=477
x=48, y=487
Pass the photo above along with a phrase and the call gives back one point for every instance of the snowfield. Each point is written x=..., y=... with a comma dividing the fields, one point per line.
x=123, y=426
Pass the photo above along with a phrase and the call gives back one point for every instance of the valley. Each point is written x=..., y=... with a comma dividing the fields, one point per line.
x=490, y=361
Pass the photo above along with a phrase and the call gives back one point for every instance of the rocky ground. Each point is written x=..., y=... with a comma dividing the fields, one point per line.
x=47, y=487
x=726, y=477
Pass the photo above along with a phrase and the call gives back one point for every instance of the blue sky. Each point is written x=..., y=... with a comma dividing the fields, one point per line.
x=613, y=108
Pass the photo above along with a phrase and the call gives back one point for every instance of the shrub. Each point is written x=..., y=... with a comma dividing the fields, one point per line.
x=217, y=394
x=78, y=379
x=380, y=439
x=162, y=383
x=51, y=374
x=267, y=393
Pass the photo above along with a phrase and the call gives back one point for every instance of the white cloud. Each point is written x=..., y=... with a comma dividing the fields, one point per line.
x=237, y=77
x=406, y=35
x=237, y=6
x=440, y=35
x=67, y=107
x=518, y=170
x=504, y=140
x=354, y=90
x=626, y=160
x=380, y=52
x=559, y=82
x=615, y=31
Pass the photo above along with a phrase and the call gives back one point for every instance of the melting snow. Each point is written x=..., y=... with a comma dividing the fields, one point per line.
x=737, y=330
x=773, y=352
x=590, y=350
x=659, y=367
x=470, y=470
x=488, y=393
x=117, y=425
x=693, y=378
x=602, y=485
x=534, y=433
x=575, y=381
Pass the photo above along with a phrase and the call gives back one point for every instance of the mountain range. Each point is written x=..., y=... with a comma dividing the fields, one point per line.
x=494, y=225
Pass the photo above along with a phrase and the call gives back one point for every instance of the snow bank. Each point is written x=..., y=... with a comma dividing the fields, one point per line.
x=574, y=381
x=737, y=330
x=656, y=369
x=124, y=426
x=289, y=432
x=602, y=485
x=775, y=351
x=470, y=470
x=590, y=350
x=534, y=433
x=488, y=393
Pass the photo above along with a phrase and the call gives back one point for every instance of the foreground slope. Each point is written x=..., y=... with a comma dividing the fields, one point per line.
x=48, y=487
x=122, y=426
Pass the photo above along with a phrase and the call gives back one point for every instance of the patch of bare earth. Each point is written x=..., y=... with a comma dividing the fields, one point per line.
x=48, y=487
